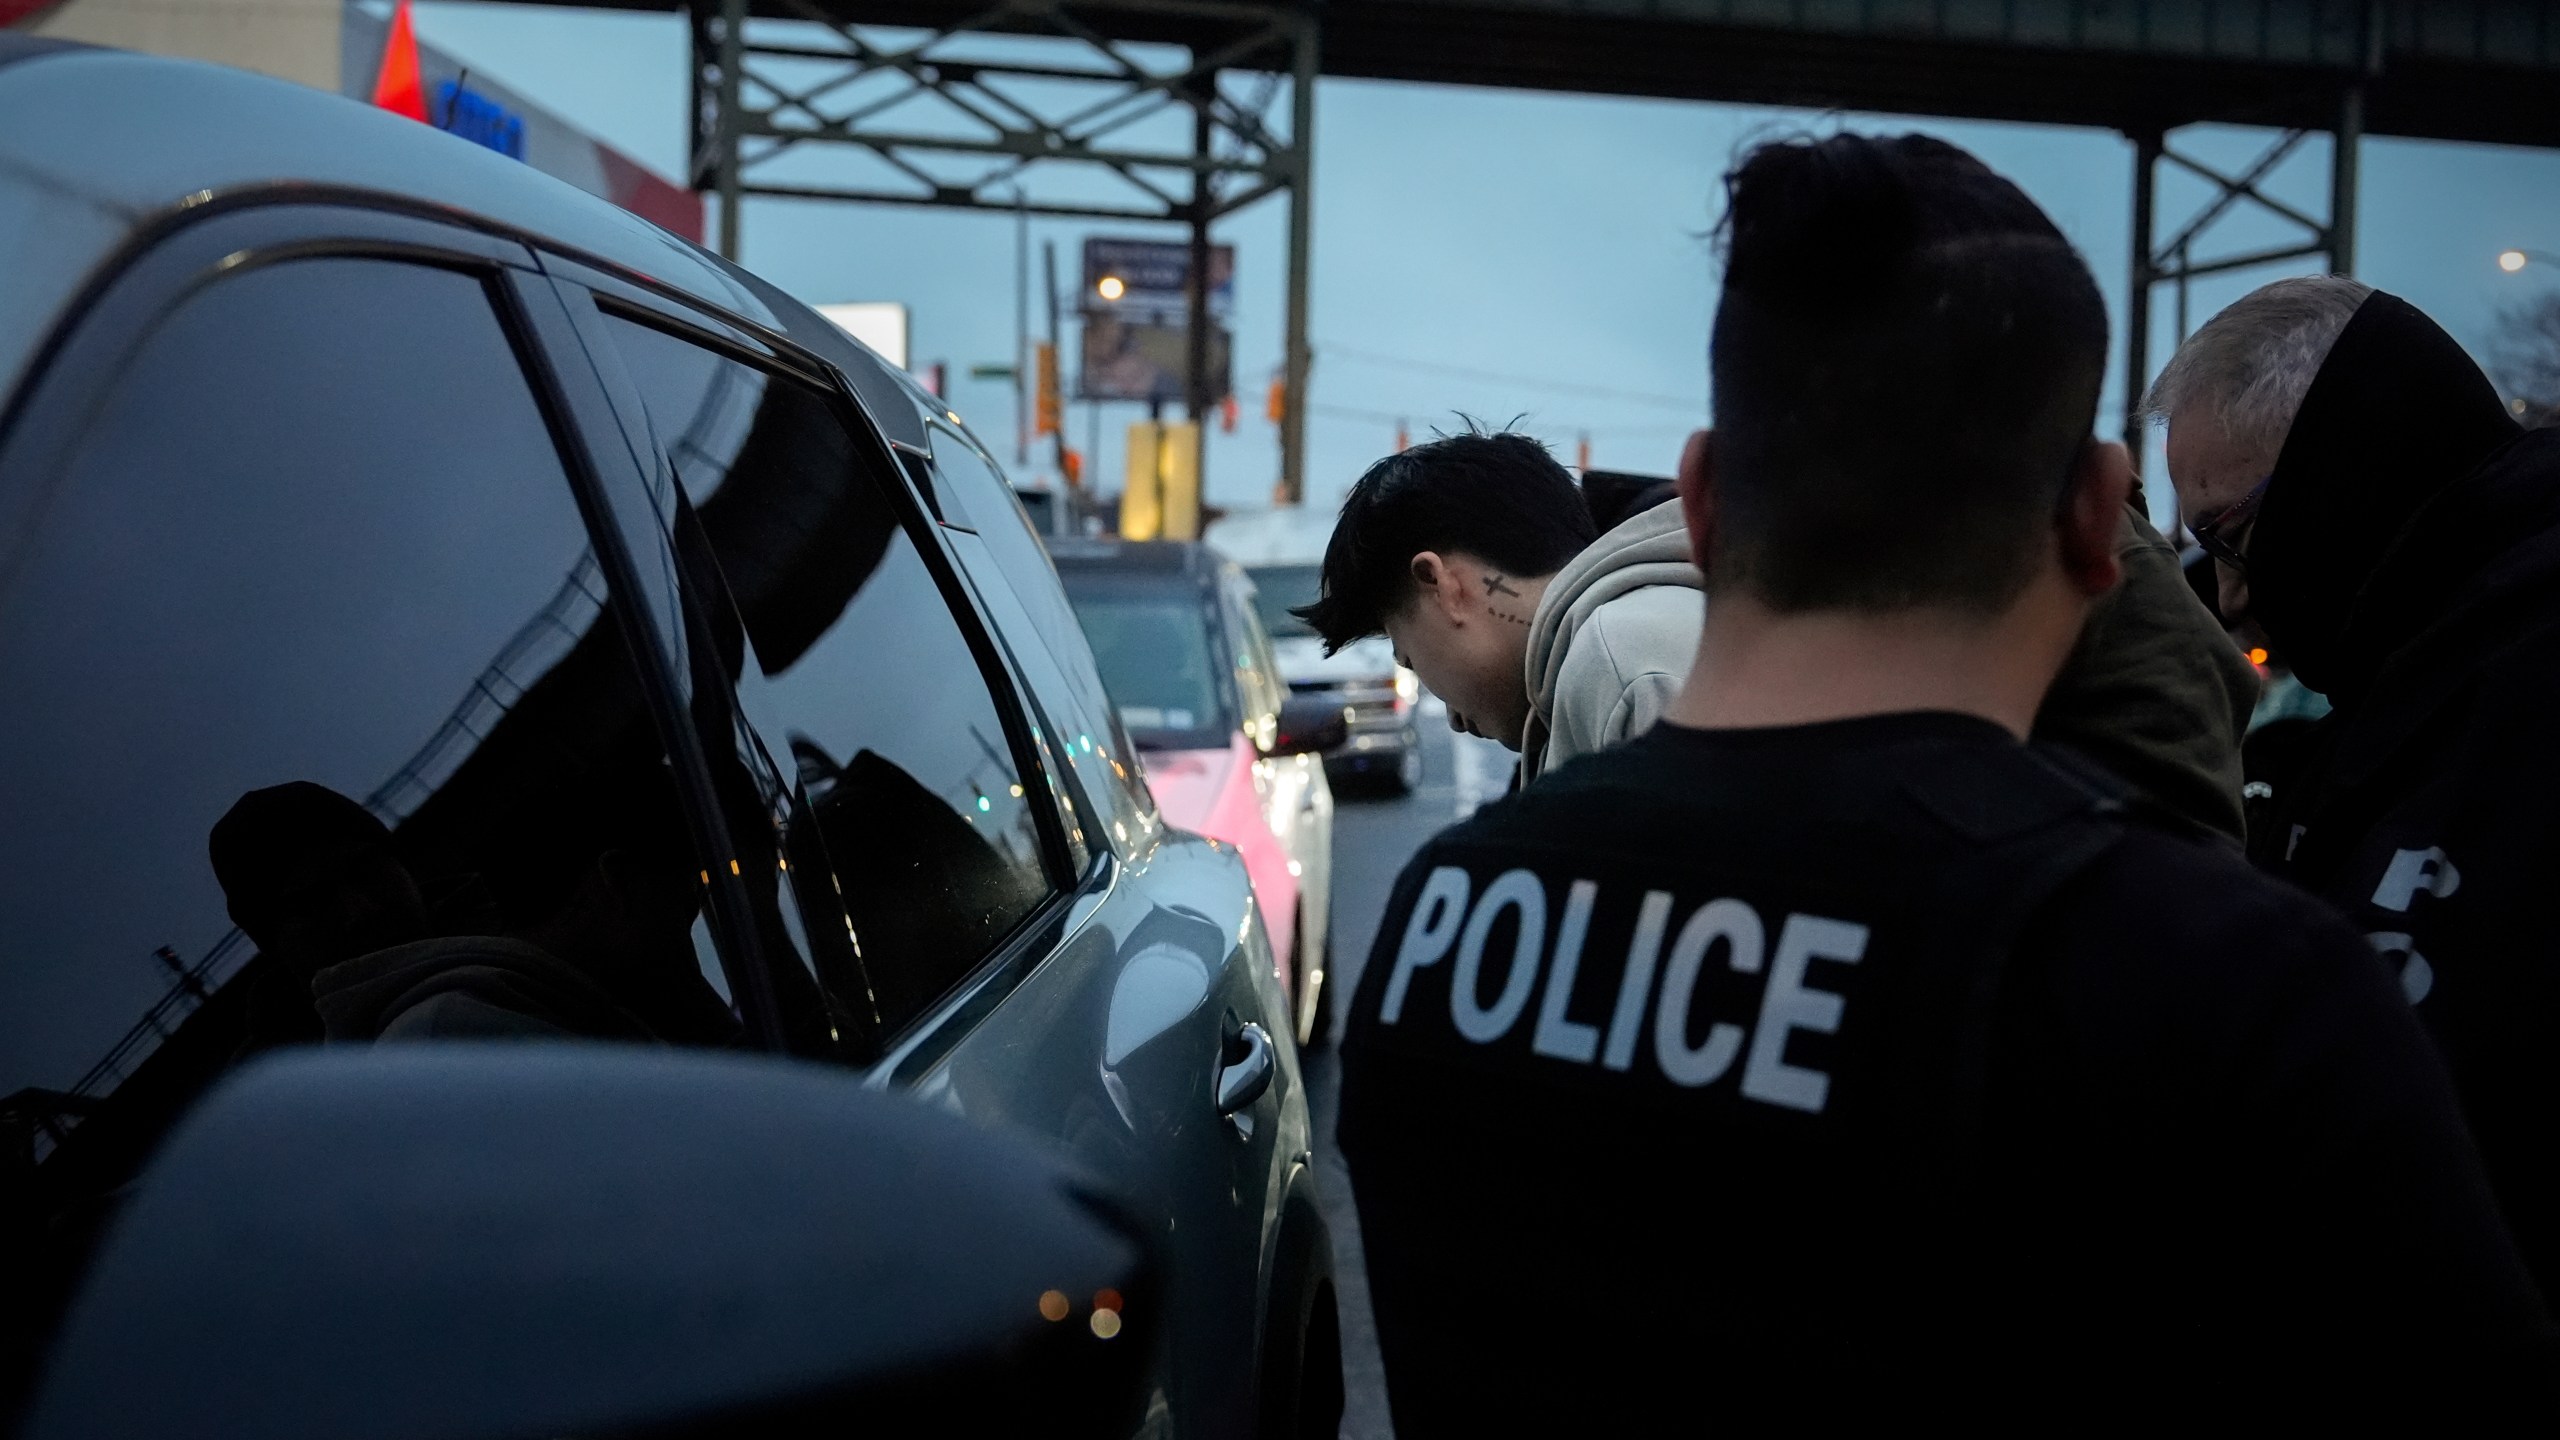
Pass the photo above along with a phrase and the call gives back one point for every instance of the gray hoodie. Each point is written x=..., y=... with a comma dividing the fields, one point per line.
x=1612, y=640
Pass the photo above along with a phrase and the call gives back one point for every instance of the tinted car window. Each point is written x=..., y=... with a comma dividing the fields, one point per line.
x=1257, y=674
x=1089, y=729
x=855, y=671
x=1152, y=639
x=318, y=721
x=1277, y=589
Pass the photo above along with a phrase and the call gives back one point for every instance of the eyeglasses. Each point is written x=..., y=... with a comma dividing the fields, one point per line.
x=2211, y=530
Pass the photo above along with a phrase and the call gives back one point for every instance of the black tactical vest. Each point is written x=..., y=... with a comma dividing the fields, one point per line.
x=1684, y=1108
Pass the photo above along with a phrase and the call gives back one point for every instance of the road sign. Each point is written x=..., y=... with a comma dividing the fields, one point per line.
x=1151, y=277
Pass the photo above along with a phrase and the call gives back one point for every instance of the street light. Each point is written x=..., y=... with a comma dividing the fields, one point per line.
x=2512, y=261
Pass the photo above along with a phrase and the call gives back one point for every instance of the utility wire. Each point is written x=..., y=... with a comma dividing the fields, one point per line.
x=1390, y=417
x=1689, y=404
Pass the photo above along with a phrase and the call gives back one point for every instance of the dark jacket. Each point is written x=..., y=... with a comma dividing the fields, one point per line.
x=2156, y=691
x=2407, y=560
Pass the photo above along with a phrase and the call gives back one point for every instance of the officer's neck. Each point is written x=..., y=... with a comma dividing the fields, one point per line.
x=1757, y=667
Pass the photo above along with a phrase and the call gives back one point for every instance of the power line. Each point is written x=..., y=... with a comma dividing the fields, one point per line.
x=1390, y=417
x=1688, y=404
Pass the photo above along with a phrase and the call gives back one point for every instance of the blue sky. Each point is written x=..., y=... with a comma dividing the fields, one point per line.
x=1556, y=239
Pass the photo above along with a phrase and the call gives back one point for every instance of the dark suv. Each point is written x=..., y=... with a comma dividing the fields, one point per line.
x=436, y=605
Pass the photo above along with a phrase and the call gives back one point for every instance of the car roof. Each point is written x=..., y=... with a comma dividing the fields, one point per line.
x=1177, y=560
x=101, y=149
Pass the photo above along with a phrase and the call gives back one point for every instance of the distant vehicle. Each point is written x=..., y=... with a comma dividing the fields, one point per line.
x=440, y=604
x=1229, y=753
x=1283, y=551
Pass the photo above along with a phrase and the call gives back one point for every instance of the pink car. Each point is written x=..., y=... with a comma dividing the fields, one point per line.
x=1227, y=750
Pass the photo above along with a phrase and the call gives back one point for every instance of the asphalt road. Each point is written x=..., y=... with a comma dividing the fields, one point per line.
x=1372, y=839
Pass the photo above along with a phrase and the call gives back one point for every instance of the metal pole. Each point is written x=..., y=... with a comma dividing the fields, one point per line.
x=1293, y=383
x=1049, y=281
x=726, y=124
x=1195, y=383
x=2342, y=181
x=2137, y=310
x=1021, y=329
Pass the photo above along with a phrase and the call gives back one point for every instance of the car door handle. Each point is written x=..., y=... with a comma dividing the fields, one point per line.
x=1241, y=1081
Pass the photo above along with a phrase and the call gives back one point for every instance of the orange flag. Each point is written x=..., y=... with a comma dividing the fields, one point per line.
x=400, y=88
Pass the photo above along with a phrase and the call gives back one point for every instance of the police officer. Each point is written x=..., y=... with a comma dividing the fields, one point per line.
x=1830, y=1053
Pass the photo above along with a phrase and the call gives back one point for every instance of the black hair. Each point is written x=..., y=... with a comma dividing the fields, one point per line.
x=1907, y=358
x=1498, y=496
x=261, y=842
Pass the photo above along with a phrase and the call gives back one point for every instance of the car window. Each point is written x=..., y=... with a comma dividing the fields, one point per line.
x=1090, y=732
x=861, y=682
x=1151, y=636
x=1257, y=675
x=319, y=722
x=1277, y=589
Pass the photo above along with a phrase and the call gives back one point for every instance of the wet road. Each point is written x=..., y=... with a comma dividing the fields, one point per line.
x=1372, y=839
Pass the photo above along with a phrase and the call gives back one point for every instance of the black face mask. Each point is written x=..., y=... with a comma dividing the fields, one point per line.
x=2398, y=414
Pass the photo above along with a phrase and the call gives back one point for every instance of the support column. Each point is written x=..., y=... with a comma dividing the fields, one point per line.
x=1295, y=359
x=726, y=124
x=2348, y=140
x=2137, y=310
x=1195, y=371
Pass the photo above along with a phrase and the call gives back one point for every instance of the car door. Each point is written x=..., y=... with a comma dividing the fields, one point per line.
x=993, y=932
x=1297, y=802
x=1190, y=965
x=329, y=713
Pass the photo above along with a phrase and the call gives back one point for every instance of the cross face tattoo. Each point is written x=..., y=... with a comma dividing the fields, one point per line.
x=1494, y=584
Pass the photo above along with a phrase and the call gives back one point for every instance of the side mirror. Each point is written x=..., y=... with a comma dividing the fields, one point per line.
x=1310, y=724
x=473, y=1242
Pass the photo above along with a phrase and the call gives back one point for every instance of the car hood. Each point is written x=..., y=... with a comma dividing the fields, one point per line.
x=1188, y=783
x=1302, y=658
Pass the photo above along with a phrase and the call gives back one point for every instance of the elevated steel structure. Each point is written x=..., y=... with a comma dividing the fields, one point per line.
x=2467, y=70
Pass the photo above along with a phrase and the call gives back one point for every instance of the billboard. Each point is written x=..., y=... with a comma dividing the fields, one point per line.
x=1151, y=277
x=1129, y=358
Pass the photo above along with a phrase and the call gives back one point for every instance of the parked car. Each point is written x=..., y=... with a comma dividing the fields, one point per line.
x=437, y=604
x=1229, y=753
x=1283, y=551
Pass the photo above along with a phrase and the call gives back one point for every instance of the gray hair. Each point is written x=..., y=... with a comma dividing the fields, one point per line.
x=2253, y=363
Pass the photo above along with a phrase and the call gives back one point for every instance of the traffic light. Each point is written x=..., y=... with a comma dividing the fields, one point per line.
x=1275, y=406
x=1072, y=462
x=1227, y=409
x=1047, y=408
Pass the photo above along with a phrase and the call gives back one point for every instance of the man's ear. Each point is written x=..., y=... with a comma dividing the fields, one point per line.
x=1697, y=485
x=1438, y=583
x=2092, y=516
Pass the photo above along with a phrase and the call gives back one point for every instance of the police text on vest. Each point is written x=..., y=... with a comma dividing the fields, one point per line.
x=1448, y=917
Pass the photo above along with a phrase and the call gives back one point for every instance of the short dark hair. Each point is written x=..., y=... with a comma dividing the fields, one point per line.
x=1498, y=496
x=1907, y=359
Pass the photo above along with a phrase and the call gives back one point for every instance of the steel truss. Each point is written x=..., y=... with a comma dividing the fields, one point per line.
x=2174, y=261
x=955, y=121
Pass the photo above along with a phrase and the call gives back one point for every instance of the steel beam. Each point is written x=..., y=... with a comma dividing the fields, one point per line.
x=953, y=121
x=1295, y=359
x=2137, y=311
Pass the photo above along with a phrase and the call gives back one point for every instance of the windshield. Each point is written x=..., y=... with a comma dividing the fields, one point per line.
x=1280, y=588
x=1151, y=641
